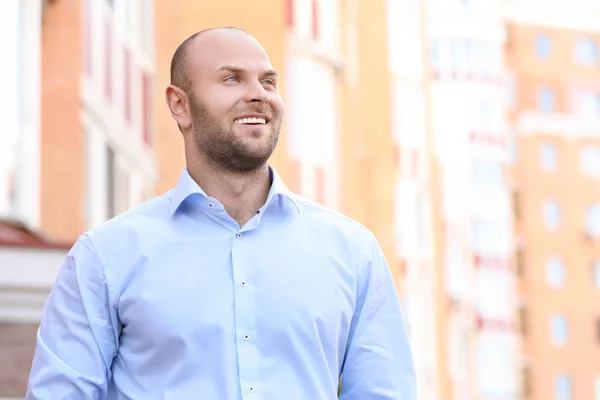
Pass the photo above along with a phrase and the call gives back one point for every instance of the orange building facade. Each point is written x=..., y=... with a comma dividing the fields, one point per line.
x=553, y=56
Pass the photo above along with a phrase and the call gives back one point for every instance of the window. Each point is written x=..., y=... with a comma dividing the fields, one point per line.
x=147, y=108
x=597, y=388
x=108, y=61
x=555, y=272
x=546, y=99
x=548, y=157
x=289, y=13
x=551, y=214
x=586, y=51
x=315, y=20
x=127, y=84
x=542, y=45
x=559, y=330
x=596, y=274
x=592, y=221
x=487, y=172
x=562, y=387
x=590, y=161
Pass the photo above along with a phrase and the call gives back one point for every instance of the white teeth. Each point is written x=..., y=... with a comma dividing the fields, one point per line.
x=251, y=121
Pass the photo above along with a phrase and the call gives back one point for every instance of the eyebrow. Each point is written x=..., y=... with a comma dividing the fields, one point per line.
x=238, y=70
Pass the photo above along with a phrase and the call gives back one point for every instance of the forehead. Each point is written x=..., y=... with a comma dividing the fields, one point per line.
x=211, y=51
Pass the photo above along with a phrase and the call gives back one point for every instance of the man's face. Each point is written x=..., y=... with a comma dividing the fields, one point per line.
x=234, y=101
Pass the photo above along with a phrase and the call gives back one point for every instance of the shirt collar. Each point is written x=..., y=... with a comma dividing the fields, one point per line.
x=187, y=187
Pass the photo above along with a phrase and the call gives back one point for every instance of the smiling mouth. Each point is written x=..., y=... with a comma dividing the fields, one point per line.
x=251, y=121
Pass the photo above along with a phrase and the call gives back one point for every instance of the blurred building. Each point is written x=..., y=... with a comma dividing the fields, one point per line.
x=28, y=261
x=76, y=146
x=552, y=52
x=453, y=202
x=97, y=126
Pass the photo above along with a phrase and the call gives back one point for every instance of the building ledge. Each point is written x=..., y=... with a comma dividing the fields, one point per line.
x=570, y=126
x=29, y=264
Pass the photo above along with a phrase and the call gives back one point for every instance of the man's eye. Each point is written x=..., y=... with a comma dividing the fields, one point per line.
x=231, y=79
x=269, y=82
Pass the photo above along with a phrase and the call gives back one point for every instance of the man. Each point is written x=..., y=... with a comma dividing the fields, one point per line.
x=229, y=286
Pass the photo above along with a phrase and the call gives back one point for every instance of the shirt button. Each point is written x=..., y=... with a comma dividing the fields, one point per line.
x=239, y=235
x=243, y=283
x=251, y=389
x=246, y=337
x=211, y=205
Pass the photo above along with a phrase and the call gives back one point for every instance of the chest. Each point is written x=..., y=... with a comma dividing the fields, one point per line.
x=206, y=290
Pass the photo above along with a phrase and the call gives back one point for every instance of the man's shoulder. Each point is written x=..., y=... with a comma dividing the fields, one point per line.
x=143, y=218
x=320, y=215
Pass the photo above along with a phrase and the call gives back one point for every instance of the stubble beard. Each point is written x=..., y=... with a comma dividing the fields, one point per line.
x=223, y=148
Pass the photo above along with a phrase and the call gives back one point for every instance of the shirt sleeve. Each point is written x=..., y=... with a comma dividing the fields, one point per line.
x=76, y=340
x=378, y=364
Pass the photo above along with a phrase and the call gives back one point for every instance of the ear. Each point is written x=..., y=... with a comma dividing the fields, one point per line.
x=178, y=103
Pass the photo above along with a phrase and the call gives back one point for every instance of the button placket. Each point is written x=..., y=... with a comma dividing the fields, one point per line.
x=245, y=312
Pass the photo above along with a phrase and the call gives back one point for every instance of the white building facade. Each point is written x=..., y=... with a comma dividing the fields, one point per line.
x=117, y=96
x=312, y=66
x=470, y=139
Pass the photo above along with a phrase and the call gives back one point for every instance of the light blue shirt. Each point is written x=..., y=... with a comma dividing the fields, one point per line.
x=172, y=300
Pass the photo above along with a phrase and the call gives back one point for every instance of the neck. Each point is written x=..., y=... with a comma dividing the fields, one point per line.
x=241, y=193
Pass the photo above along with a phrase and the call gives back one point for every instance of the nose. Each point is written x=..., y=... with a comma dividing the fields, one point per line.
x=256, y=93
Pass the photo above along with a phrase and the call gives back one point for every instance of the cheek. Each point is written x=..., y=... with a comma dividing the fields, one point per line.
x=278, y=106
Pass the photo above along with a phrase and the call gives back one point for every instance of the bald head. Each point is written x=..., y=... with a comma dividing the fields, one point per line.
x=180, y=60
x=225, y=100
